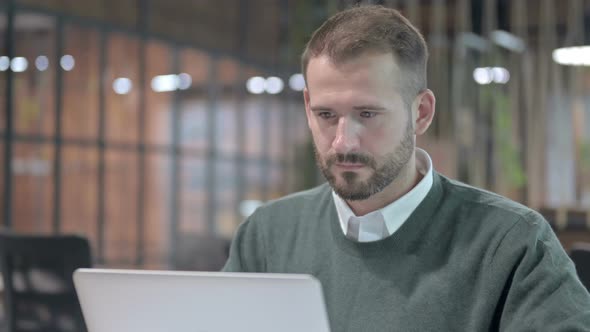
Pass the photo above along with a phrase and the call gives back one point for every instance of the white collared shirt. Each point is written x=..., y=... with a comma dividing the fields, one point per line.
x=384, y=222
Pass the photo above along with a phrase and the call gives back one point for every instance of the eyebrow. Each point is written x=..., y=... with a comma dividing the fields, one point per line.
x=369, y=107
x=357, y=108
x=320, y=108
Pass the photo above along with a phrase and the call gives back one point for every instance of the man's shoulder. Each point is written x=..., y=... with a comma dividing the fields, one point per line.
x=476, y=200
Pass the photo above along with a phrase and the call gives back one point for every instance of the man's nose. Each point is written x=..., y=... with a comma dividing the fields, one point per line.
x=347, y=136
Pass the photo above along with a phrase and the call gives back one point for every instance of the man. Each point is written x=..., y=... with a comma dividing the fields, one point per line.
x=397, y=246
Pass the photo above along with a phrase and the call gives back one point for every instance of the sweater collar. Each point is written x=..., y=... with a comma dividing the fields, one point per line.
x=409, y=237
x=384, y=222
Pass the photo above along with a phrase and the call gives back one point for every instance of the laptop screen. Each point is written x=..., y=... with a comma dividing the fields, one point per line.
x=139, y=300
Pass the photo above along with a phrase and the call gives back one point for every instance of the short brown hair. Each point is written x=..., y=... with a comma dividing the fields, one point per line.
x=369, y=28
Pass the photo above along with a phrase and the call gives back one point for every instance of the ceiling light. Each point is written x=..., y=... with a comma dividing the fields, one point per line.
x=67, y=62
x=572, y=56
x=122, y=85
x=42, y=63
x=256, y=85
x=297, y=82
x=19, y=64
x=274, y=85
x=184, y=81
x=4, y=63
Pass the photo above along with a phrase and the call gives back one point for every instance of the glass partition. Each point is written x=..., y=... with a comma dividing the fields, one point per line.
x=120, y=216
x=34, y=67
x=79, y=192
x=157, y=210
x=81, y=78
x=121, y=88
x=158, y=103
x=32, y=169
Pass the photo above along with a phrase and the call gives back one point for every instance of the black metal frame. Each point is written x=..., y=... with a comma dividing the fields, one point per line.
x=210, y=170
x=142, y=26
x=9, y=132
x=175, y=203
x=57, y=161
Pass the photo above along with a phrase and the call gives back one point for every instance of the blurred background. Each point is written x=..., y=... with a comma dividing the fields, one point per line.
x=150, y=126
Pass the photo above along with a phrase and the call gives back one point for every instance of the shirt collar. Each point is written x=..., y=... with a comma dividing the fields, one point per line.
x=384, y=222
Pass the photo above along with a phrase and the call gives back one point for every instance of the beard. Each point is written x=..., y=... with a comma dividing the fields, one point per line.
x=352, y=187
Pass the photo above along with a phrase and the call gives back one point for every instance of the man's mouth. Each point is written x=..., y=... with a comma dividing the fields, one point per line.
x=349, y=166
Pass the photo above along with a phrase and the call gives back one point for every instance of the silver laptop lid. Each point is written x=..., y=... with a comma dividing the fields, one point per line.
x=150, y=301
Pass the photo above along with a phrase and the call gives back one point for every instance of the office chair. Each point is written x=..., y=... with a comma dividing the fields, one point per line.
x=39, y=292
x=580, y=254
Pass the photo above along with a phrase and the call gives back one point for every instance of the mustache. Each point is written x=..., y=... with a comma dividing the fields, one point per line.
x=354, y=158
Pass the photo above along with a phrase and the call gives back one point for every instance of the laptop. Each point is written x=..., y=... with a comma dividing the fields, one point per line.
x=150, y=301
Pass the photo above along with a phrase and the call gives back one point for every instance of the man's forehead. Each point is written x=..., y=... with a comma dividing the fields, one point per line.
x=325, y=59
x=370, y=67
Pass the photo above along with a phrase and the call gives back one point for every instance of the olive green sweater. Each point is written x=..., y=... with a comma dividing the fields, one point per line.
x=465, y=260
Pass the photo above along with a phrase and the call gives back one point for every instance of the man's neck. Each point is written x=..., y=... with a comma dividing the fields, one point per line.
x=406, y=180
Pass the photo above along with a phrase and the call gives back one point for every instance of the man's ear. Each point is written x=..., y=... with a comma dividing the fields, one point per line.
x=425, y=104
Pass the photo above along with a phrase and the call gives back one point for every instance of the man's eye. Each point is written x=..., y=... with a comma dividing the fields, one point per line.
x=367, y=114
x=325, y=115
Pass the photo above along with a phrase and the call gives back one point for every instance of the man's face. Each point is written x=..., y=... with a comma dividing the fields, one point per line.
x=361, y=127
